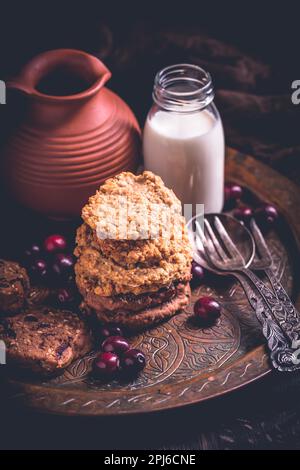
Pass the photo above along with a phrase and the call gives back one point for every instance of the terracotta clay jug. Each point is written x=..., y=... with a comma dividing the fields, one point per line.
x=75, y=135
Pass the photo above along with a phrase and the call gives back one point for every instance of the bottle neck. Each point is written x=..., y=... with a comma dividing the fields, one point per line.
x=183, y=88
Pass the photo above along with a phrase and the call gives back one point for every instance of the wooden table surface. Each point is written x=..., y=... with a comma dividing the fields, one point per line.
x=264, y=415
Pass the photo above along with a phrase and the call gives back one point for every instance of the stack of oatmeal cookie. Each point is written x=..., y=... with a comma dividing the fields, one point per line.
x=134, y=256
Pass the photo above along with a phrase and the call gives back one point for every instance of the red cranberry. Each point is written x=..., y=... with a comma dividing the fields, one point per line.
x=109, y=330
x=115, y=344
x=106, y=365
x=55, y=243
x=65, y=296
x=133, y=361
x=197, y=271
x=244, y=214
x=63, y=264
x=32, y=252
x=233, y=192
x=207, y=310
x=39, y=269
x=266, y=215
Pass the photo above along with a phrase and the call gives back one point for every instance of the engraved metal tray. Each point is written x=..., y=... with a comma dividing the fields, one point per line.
x=187, y=364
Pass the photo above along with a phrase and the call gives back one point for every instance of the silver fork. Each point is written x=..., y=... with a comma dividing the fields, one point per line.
x=284, y=351
x=285, y=311
x=214, y=261
x=254, y=300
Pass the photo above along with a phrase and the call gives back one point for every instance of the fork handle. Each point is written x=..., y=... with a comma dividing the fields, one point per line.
x=284, y=343
x=274, y=304
x=283, y=357
x=287, y=314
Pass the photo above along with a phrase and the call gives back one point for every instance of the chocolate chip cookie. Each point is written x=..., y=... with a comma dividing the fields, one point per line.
x=14, y=287
x=44, y=340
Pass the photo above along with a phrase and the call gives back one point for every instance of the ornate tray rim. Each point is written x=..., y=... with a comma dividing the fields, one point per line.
x=247, y=171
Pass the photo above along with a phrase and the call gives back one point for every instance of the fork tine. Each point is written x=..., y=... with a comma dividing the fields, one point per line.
x=199, y=238
x=205, y=243
x=207, y=248
x=192, y=239
x=260, y=241
x=215, y=241
x=198, y=250
x=201, y=258
x=227, y=240
x=199, y=244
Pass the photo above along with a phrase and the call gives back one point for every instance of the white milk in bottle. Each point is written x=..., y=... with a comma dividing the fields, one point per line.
x=183, y=139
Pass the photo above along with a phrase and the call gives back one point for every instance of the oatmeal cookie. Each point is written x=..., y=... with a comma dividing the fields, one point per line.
x=104, y=277
x=133, y=320
x=131, y=302
x=137, y=253
x=141, y=199
x=140, y=278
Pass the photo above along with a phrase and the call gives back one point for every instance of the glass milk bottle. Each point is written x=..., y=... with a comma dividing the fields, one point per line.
x=183, y=139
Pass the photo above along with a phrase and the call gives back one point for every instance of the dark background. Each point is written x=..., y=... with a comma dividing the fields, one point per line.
x=269, y=30
x=250, y=48
x=253, y=62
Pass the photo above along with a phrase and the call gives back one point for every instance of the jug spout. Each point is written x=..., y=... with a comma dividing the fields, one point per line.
x=18, y=84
